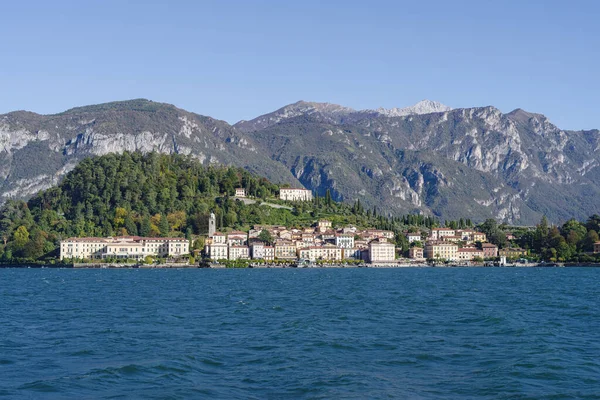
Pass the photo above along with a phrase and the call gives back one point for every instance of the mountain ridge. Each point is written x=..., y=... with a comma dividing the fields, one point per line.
x=522, y=164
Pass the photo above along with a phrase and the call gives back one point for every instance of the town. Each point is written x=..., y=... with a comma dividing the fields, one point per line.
x=321, y=242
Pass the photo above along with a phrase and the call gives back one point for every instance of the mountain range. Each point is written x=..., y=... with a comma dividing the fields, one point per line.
x=429, y=158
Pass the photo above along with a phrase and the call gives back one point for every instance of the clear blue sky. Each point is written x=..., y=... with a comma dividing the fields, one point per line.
x=236, y=60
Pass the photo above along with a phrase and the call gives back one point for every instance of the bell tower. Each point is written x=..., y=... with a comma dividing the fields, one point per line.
x=212, y=225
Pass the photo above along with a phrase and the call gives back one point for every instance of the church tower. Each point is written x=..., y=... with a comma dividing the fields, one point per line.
x=212, y=225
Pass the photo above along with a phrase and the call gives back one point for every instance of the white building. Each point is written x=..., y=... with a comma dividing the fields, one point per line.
x=124, y=247
x=439, y=233
x=344, y=241
x=381, y=251
x=237, y=238
x=238, y=252
x=295, y=194
x=352, y=253
x=240, y=192
x=413, y=237
x=216, y=251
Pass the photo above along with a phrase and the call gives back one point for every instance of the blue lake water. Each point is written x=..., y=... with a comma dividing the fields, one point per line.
x=469, y=333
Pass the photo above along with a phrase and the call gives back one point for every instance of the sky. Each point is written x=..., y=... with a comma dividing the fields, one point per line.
x=236, y=60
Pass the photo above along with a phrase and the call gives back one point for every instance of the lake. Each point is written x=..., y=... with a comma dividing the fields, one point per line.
x=418, y=333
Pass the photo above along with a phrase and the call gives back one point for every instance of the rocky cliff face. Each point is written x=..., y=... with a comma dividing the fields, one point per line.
x=475, y=162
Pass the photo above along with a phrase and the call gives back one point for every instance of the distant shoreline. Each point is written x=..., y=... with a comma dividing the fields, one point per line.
x=337, y=266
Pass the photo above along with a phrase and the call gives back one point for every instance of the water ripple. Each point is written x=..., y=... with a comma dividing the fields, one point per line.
x=289, y=334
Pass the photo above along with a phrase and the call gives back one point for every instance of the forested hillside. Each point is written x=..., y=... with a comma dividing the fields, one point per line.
x=158, y=195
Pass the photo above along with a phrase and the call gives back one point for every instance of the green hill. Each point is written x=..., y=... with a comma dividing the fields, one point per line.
x=157, y=195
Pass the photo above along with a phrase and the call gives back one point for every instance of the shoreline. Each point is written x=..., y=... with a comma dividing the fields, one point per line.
x=287, y=266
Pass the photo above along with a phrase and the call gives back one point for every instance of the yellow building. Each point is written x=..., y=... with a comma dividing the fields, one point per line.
x=416, y=253
x=512, y=252
x=285, y=250
x=441, y=250
x=469, y=254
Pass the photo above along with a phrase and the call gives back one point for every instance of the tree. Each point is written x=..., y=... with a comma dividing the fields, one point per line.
x=265, y=236
x=573, y=232
x=145, y=227
x=21, y=237
x=120, y=214
x=130, y=225
x=164, y=226
x=591, y=237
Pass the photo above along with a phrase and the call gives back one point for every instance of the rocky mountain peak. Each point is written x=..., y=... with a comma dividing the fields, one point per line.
x=328, y=110
x=422, y=107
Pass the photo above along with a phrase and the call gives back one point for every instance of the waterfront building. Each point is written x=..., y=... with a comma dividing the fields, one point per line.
x=416, y=253
x=489, y=250
x=469, y=254
x=381, y=251
x=327, y=252
x=331, y=252
x=295, y=194
x=441, y=250
x=237, y=252
x=352, y=253
x=512, y=252
x=260, y=251
x=216, y=251
x=123, y=247
x=269, y=253
x=285, y=250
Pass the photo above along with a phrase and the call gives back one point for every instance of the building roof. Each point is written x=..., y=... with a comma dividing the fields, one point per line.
x=123, y=239
x=469, y=250
x=488, y=245
x=85, y=239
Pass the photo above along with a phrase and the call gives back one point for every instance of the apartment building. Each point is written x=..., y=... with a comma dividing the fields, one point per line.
x=381, y=251
x=416, y=253
x=441, y=250
x=469, y=254
x=344, y=241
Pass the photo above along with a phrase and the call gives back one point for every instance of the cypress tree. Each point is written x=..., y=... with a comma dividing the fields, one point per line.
x=163, y=226
x=145, y=226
